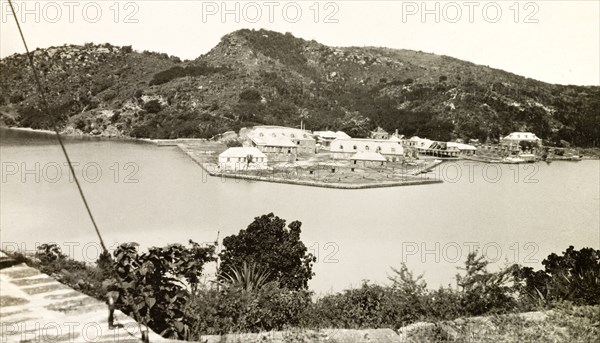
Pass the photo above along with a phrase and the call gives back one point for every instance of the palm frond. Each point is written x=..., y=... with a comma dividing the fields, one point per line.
x=249, y=277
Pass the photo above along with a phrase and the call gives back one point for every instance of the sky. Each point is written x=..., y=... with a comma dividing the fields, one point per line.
x=551, y=41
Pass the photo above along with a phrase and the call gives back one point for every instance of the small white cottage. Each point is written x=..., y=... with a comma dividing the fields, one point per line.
x=242, y=158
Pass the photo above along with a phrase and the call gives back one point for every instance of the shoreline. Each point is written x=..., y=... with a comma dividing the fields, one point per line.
x=311, y=183
x=184, y=145
x=76, y=136
x=28, y=129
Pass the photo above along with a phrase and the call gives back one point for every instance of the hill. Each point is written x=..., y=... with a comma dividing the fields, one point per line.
x=265, y=77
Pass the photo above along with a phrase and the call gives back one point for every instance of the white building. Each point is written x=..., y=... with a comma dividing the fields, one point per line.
x=441, y=149
x=516, y=137
x=465, y=149
x=326, y=137
x=281, y=143
x=345, y=148
x=242, y=158
x=379, y=133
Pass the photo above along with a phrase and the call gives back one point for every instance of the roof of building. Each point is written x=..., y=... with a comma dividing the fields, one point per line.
x=374, y=140
x=460, y=146
x=423, y=142
x=280, y=131
x=395, y=139
x=242, y=152
x=368, y=156
x=273, y=141
x=342, y=135
x=526, y=135
x=379, y=130
x=331, y=134
x=325, y=134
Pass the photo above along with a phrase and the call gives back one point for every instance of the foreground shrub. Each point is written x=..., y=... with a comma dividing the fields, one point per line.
x=485, y=292
x=152, y=286
x=574, y=276
x=162, y=288
x=268, y=243
x=235, y=309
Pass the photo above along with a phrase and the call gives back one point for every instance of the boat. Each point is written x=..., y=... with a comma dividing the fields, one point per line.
x=513, y=160
x=529, y=158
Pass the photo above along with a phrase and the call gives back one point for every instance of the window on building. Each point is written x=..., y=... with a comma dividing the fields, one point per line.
x=366, y=147
x=378, y=149
x=355, y=147
x=393, y=149
x=341, y=147
x=228, y=159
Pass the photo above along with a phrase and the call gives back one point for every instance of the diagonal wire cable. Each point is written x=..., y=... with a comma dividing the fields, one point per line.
x=46, y=109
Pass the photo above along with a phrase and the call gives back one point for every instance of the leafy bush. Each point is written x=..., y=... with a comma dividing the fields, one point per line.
x=235, y=309
x=574, y=276
x=36, y=118
x=483, y=291
x=16, y=98
x=233, y=143
x=115, y=117
x=268, y=243
x=152, y=284
x=362, y=307
x=250, y=95
x=170, y=124
x=49, y=254
x=152, y=106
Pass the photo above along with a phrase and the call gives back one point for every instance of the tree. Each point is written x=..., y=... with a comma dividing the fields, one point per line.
x=153, y=106
x=527, y=145
x=574, y=276
x=250, y=95
x=484, y=291
x=267, y=243
x=233, y=143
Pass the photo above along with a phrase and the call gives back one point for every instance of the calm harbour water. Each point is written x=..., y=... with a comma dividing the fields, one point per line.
x=157, y=195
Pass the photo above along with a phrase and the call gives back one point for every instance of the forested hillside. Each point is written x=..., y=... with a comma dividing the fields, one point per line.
x=265, y=77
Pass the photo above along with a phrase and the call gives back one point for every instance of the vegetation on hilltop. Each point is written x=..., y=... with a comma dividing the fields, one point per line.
x=104, y=90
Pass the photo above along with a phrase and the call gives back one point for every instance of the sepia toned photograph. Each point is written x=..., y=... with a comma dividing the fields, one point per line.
x=305, y=171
